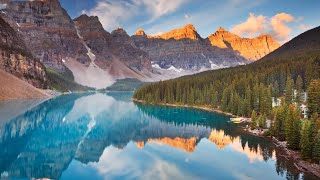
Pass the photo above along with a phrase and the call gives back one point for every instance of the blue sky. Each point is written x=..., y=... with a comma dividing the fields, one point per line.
x=283, y=19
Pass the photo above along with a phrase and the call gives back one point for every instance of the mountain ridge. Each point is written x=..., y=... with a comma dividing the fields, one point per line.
x=83, y=46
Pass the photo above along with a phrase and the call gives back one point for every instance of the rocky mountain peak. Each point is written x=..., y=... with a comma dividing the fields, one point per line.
x=119, y=32
x=221, y=29
x=250, y=48
x=187, y=32
x=189, y=27
x=91, y=23
x=224, y=34
x=140, y=32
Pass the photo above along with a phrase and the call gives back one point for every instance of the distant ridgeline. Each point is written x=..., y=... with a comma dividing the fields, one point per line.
x=240, y=90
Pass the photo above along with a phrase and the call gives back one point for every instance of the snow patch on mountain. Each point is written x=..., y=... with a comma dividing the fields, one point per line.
x=3, y=6
x=92, y=75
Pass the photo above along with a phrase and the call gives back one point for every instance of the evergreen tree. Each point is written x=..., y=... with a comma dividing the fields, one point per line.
x=275, y=90
x=280, y=123
x=289, y=90
x=299, y=86
x=295, y=133
x=247, y=102
x=215, y=100
x=256, y=97
x=289, y=123
x=268, y=101
x=316, y=149
x=305, y=142
x=224, y=100
x=262, y=121
x=314, y=97
x=254, y=120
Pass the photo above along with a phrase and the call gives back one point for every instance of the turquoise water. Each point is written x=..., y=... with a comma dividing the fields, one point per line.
x=107, y=136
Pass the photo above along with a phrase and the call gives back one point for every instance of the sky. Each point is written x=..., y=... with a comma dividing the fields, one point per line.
x=283, y=19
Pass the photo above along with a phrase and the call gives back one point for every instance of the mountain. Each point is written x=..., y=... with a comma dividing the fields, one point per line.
x=81, y=52
x=15, y=58
x=187, y=32
x=306, y=44
x=183, y=50
x=112, y=54
x=251, y=49
x=241, y=89
x=48, y=30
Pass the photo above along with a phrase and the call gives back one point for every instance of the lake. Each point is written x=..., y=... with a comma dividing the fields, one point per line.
x=107, y=136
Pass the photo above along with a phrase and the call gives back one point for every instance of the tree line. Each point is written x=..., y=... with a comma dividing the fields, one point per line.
x=238, y=90
x=248, y=91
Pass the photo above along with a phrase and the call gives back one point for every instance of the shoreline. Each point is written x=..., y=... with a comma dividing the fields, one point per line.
x=187, y=106
x=301, y=165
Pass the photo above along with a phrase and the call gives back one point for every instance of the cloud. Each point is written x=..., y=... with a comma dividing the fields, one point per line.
x=156, y=34
x=305, y=27
x=204, y=19
x=278, y=23
x=158, y=8
x=187, y=16
x=112, y=13
x=252, y=26
x=276, y=26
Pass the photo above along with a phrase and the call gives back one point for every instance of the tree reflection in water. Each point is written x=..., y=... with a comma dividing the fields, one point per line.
x=42, y=142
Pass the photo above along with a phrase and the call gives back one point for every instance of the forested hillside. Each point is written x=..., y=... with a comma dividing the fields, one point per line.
x=242, y=89
x=248, y=90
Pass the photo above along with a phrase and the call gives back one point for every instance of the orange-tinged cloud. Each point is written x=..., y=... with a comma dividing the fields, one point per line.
x=278, y=23
x=252, y=26
x=259, y=24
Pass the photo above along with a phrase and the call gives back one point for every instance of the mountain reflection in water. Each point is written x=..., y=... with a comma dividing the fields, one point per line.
x=106, y=136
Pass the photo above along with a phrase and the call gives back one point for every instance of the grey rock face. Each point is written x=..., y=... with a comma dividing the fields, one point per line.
x=16, y=59
x=185, y=49
x=107, y=46
x=48, y=31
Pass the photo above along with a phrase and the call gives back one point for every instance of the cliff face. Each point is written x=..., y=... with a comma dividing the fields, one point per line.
x=251, y=49
x=125, y=49
x=108, y=46
x=15, y=58
x=185, y=49
x=47, y=29
x=187, y=32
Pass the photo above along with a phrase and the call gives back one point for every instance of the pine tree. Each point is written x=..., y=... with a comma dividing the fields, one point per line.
x=279, y=123
x=254, y=120
x=296, y=130
x=289, y=124
x=305, y=143
x=215, y=100
x=314, y=97
x=268, y=101
x=262, y=121
x=299, y=86
x=289, y=90
x=224, y=100
x=262, y=99
x=275, y=90
x=256, y=97
x=316, y=149
x=247, y=102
